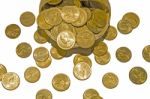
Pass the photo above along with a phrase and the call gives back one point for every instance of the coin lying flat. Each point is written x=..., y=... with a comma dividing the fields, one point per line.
x=110, y=80
x=146, y=53
x=41, y=54
x=89, y=93
x=44, y=94
x=66, y=40
x=54, y=2
x=61, y=82
x=12, y=31
x=123, y=54
x=111, y=33
x=82, y=71
x=88, y=11
x=24, y=50
x=32, y=74
x=3, y=71
x=27, y=19
x=38, y=38
x=96, y=97
x=138, y=75
x=55, y=54
x=44, y=64
x=10, y=81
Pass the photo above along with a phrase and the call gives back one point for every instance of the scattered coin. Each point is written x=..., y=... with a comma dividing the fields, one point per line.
x=27, y=19
x=3, y=71
x=44, y=64
x=24, y=50
x=110, y=80
x=44, y=94
x=32, y=74
x=61, y=82
x=10, y=81
x=138, y=75
x=146, y=53
x=111, y=33
x=38, y=38
x=55, y=54
x=123, y=54
x=12, y=31
x=89, y=93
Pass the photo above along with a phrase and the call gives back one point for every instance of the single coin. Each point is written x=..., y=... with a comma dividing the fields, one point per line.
x=27, y=19
x=55, y=54
x=66, y=40
x=111, y=33
x=89, y=93
x=80, y=58
x=44, y=94
x=10, y=81
x=100, y=49
x=96, y=97
x=38, y=38
x=70, y=14
x=61, y=82
x=12, y=31
x=110, y=80
x=123, y=54
x=88, y=11
x=24, y=50
x=82, y=71
x=41, y=54
x=138, y=75
x=132, y=18
x=32, y=74
x=82, y=18
x=54, y=2
x=3, y=71
x=104, y=59
x=44, y=64
x=146, y=53
x=124, y=27
x=77, y=3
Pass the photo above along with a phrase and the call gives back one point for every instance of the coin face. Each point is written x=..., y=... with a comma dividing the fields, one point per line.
x=82, y=71
x=88, y=11
x=24, y=50
x=44, y=64
x=27, y=19
x=146, y=53
x=89, y=93
x=39, y=38
x=138, y=75
x=123, y=54
x=66, y=40
x=54, y=2
x=32, y=74
x=70, y=14
x=55, y=54
x=111, y=33
x=12, y=31
x=3, y=71
x=41, y=54
x=110, y=80
x=61, y=82
x=10, y=81
x=104, y=59
x=44, y=94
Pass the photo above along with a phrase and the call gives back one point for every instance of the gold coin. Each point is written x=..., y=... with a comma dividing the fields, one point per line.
x=66, y=40
x=32, y=74
x=146, y=53
x=27, y=19
x=80, y=58
x=82, y=18
x=55, y=54
x=100, y=49
x=61, y=82
x=82, y=71
x=12, y=31
x=10, y=81
x=88, y=11
x=53, y=16
x=124, y=27
x=96, y=97
x=24, y=50
x=138, y=75
x=41, y=54
x=85, y=38
x=44, y=94
x=38, y=38
x=3, y=71
x=111, y=33
x=110, y=80
x=104, y=59
x=89, y=93
x=132, y=18
x=54, y=2
x=123, y=54
x=70, y=14
x=44, y=64
x=77, y=3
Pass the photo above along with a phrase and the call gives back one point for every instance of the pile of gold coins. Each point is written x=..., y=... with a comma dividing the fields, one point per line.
x=73, y=27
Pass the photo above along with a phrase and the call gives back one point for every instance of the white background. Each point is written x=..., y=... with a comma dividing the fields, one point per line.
x=10, y=11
